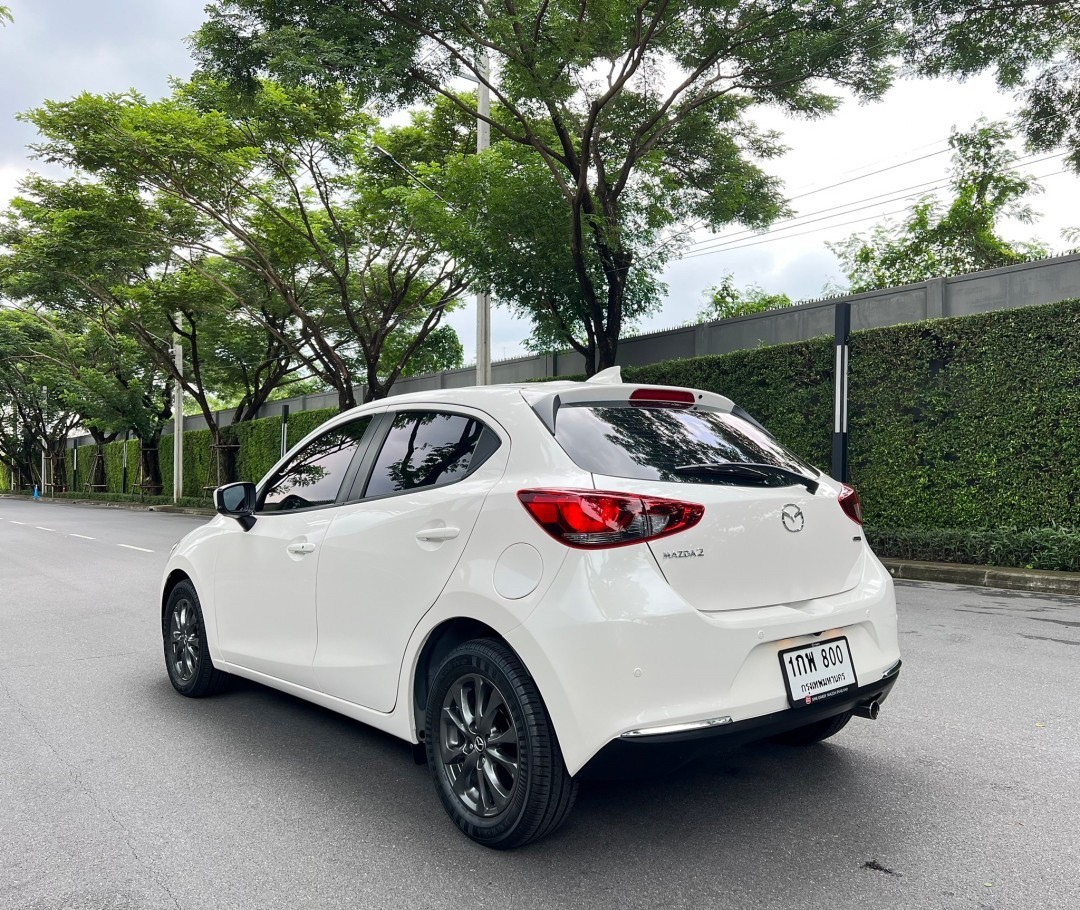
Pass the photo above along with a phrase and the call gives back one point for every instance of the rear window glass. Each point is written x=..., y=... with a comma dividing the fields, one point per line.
x=651, y=443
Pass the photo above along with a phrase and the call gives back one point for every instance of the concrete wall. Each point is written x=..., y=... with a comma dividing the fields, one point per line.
x=1028, y=284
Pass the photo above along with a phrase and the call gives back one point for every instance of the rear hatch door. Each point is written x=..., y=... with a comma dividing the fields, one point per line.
x=773, y=530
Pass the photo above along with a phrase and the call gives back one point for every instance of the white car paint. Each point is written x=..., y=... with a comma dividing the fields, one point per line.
x=613, y=645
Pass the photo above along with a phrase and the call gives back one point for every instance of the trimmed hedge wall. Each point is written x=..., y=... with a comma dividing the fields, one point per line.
x=260, y=447
x=965, y=433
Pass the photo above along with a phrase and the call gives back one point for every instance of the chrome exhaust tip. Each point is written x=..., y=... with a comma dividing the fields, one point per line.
x=870, y=710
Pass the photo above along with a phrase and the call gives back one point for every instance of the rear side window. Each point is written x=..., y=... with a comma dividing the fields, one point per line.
x=314, y=474
x=650, y=443
x=424, y=449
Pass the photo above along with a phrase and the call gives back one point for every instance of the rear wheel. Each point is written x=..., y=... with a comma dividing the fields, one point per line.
x=815, y=732
x=491, y=748
x=187, y=658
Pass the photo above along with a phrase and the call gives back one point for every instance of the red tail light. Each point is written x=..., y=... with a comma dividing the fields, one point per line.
x=594, y=519
x=849, y=502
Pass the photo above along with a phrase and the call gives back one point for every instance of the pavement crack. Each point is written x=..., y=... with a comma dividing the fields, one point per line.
x=875, y=866
x=83, y=787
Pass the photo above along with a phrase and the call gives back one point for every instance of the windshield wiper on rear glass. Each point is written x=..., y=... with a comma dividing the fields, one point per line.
x=751, y=472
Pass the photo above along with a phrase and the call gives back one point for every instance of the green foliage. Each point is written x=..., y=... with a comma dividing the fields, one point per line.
x=962, y=237
x=260, y=447
x=1032, y=48
x=196, y=462
x=1053, y=549
x=5, y=477
x=725, y=300
x=302, y=423
x=114, y=465
x=969, y=422
x=614, y=122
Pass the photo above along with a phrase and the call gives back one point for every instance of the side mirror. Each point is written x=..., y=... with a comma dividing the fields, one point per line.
x=237, y=500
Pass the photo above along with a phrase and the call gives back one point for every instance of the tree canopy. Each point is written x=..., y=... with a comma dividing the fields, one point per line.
x=1032, y=47
x=633, y=118
x=937, y=239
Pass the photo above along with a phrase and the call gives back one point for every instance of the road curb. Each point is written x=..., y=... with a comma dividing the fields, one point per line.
x=1033, y=580
x=109, y=504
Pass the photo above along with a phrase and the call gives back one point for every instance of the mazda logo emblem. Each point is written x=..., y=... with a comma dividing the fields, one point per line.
x=480, y=744
x=792, y=517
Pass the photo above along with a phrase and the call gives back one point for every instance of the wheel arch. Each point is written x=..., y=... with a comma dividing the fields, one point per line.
x=442, y=639
x=172, y=580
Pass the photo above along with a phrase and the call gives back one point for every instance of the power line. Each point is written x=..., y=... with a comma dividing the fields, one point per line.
x=847, y=207
x=827, y=227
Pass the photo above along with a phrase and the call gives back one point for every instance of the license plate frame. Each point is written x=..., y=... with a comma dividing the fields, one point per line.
x=818, y=677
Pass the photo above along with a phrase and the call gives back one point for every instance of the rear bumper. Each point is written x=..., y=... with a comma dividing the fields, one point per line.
x=641, y=754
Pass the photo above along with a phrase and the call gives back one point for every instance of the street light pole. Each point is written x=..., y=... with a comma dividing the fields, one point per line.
x=483, y=298
x=178, y=417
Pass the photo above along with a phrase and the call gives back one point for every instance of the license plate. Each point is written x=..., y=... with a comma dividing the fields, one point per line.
x=817, y=672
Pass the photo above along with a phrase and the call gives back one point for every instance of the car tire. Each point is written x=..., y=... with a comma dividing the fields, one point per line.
x=815, y=732
x=492, y=750
x=187, y=658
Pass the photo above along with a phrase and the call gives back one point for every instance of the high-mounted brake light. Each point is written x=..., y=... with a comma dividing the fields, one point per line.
x=849, y=502
x=662, y=398
x=596, y=519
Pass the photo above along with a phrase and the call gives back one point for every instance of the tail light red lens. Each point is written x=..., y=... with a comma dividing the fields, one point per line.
x=594, y=518
x=849, y=502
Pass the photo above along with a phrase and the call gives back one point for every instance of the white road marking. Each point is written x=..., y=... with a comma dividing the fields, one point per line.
x=14, y=522
x=40, y=528
x=128, y=546
x=83, y=536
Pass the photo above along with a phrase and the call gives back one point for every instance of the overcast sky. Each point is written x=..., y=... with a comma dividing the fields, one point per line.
x=58, y=48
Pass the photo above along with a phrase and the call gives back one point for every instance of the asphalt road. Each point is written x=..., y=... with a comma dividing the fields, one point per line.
x=118, y=794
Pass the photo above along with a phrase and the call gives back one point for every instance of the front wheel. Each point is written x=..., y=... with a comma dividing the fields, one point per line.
x=187, y=658
x=492, y=750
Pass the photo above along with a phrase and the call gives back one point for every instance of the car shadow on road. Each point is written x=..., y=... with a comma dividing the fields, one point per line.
x=763, y=806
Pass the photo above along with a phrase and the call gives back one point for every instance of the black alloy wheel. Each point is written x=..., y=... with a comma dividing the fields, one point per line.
x=492, y=750
x=187, y=658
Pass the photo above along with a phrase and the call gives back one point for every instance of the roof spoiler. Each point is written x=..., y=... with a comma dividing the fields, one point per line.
x=609, y=389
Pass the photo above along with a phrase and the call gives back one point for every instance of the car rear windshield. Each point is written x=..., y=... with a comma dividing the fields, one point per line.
x=652, y=443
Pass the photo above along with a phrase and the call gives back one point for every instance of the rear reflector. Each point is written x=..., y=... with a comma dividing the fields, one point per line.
x=593, y=518
x=849, y=502
x=662, y=398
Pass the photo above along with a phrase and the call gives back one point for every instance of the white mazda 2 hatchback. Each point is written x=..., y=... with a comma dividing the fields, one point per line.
x=536, y=582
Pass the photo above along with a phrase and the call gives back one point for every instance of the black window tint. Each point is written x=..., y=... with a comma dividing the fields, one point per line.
x=649, y=443
x=314, y=475
x=424, y=449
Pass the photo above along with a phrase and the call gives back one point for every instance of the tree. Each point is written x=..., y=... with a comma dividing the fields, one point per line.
x=33, y=411
x=277, y=183
x=935, y=240
x=102, y=260
x=1031, y=45
x=634, y=114
x=725, y=300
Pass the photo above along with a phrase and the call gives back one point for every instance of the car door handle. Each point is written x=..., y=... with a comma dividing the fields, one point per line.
x=301, y=548
x=437, y=534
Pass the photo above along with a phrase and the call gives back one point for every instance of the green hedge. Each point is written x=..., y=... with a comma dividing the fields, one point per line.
x=260, y=447
x=5, y=477
x=965, y=433
x=971, y=422
x=1030, y=548
x=303, y=422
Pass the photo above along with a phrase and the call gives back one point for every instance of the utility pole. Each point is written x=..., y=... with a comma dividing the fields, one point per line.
x=483, y=298
x=178, y=417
